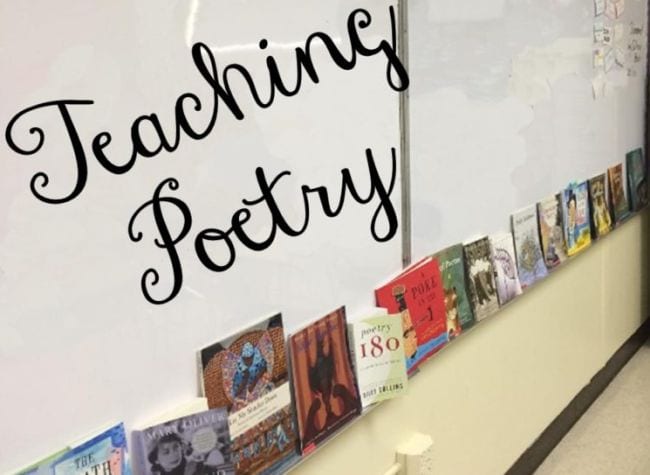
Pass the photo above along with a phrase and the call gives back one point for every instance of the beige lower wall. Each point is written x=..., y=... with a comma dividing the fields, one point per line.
x=486, y=397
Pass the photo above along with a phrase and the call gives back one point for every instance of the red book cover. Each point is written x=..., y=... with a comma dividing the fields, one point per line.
x=417, y=295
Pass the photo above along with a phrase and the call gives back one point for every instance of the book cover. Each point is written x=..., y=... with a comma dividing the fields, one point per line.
x=601, y=221
x=246, y=374
x=195, y=444
x=636, y=179
x=378, y=353
x=479, y=269
x=324, y=386
x=507, y=278
x=551, y=230
x=458, y=309
x=576, y=218
x=42, y=466
x=530, y=261
x=417, y=296
x=103, y=453
x=619, y=204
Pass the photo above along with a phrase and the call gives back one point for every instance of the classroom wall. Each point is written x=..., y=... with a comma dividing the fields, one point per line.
x=487, y=396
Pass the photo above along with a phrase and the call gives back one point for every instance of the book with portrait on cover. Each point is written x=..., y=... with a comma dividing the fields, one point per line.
x=479, y=270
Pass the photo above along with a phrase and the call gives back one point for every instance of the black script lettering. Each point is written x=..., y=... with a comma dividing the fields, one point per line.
x=220, y=84
x=151, y=277
x=240, y=217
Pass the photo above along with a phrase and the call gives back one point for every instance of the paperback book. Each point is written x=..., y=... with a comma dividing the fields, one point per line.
x=481, y=287
x=601, y=221
x=551, y=230
x=458, y=309
x=324, y=386
x=103, y=453
x=530, y=261
x=199, y=443
x=576, y=218
x=246, y=374
x=417, y=296
x=619, y=204
x=378, y=354
x=507, y=278
x=636, y=179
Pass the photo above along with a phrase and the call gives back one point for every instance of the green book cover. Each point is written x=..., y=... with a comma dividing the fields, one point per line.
x=457, y=305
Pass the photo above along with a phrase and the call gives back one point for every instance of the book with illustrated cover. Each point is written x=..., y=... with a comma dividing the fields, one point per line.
x=551, y=230
x=636, y=179
x=479, y=270
x=601, y=221
x=530, y=261
x=195, y=444
x=507, y=278
x=457, y=305
x=324, y=386
x=246, y=374
x=418, y=297
x=617, y=198
x=103, y=453
x=377, y=348
x=576, y=218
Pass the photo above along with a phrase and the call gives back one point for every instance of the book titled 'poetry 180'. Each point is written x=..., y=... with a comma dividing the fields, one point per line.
x=378, y=350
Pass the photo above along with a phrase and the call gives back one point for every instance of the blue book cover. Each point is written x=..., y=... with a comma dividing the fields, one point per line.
x=104, y=453
x=577, y=227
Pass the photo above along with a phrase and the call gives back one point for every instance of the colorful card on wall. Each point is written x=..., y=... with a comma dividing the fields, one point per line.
x=457, y=305
x=104, y=453
x=636, y=179
x=551, y=230
x=246, y=374
x=377, y=348
x=618, y=200
x=195, y=444
x=479, y=270
x=417, y=295
x=601, y=220
x=324, y=386
x=505, y=262
x=576, y=217
x=530, y=261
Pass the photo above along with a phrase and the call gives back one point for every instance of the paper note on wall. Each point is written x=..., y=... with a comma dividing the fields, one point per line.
x=599, y=7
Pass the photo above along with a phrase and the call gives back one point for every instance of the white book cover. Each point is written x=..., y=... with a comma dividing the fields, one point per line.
x=530, y=262
x=377, y=348
x=505, y=263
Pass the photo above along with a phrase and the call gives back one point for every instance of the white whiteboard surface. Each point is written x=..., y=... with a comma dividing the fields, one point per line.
x=79, y=344
x=503, y=113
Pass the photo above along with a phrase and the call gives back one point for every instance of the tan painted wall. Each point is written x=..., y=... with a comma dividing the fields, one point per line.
x=486, y=397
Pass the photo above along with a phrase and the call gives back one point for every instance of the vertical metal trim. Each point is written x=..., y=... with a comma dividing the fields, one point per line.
x=405, y=157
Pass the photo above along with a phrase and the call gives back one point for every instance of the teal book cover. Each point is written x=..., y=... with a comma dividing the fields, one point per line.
x=457, y=306
x=104, y=453
x=636, y=179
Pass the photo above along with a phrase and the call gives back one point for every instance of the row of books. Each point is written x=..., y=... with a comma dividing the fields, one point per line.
x=268, y=399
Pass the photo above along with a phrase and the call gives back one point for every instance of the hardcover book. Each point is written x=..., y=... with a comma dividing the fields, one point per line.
x=246, y=374
x=530, y=261
x=601, y=221
x=636, y=179
x=481, y=287
x=458, y=309
x=417, y=296
x=507, y=278
x=324, y=386
x=195, y=444
x=551, y=230
x=576, y=218
x=378, y=354
x=103, y=453
x=619, y=204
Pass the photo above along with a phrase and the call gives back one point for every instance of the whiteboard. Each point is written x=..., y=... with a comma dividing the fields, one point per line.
x=502, y=112
x=80, y=342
